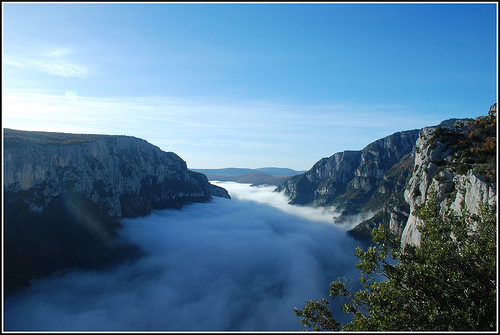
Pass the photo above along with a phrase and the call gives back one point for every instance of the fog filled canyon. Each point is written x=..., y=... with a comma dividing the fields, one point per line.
x=110, y=233
x=239, y=264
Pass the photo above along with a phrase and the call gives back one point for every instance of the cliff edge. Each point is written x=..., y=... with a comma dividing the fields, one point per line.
x=64, y=194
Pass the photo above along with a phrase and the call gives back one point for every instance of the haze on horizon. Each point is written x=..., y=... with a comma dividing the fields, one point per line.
x=247, y=84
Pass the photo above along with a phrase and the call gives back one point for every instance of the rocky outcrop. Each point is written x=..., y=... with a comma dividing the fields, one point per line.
x=392, y=177
x=64, y=194
x=450, y=172
x=113, y=171
x=354, y=181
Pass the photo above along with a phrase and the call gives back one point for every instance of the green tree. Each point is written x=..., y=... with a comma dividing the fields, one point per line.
x=447, y=283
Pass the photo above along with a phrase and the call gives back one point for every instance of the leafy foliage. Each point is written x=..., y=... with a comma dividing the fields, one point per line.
x=447, y=283
x=473, y=146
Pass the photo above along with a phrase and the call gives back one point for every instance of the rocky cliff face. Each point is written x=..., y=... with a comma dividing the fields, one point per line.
x=126, y=175
x=457, y=164
x=354, y=181
x=390, y=178
x=63, y=194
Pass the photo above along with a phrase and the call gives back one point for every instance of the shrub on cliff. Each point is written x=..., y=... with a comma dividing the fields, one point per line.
x=447, y=283
x=472, y=146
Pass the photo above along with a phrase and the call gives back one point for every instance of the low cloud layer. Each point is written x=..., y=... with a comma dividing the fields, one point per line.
x=264, y=194
x=239, y=264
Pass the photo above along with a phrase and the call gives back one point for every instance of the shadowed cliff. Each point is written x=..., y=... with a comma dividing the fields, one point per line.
x=64, y=194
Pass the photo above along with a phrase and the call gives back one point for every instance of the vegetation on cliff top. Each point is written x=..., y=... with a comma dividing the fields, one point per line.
x=20, y=138
x=448, y=283
x=473, y=146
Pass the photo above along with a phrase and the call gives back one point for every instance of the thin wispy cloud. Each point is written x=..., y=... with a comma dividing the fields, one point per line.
x=196, y=127
x=58, y=52
x=248, y=86
x=230, y=117
x=61, y=69
x=54, y=61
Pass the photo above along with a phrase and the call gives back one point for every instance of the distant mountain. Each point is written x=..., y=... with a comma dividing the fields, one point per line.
x=64, y=194
x=279, y=172
x=261, y=176
x=272, y=171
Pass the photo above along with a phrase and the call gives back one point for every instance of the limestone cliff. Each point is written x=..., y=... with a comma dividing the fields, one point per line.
x=63, y=194
x=390, y=178
x=457, y=164
x=127, y=176
x=355, y=181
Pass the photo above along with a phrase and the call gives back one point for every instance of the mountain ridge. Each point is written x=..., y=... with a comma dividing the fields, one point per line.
x=234, y=171
x=391, y=177
x=64, y=194
x=349, y=179
x=260, y=176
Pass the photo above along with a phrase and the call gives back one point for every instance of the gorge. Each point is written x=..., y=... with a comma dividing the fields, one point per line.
x=391, y=177
x=118, y=224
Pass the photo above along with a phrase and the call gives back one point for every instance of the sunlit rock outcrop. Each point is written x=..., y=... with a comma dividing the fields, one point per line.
x=449, y=162
x=391, y=178
x=113, y=171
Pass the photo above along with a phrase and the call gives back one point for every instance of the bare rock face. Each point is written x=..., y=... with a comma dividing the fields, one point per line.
x=64, y=194
x=439, y=170
x=473, y=190
x=111, y=171
x=352, y=179
x=446, y=159
x=391, y=177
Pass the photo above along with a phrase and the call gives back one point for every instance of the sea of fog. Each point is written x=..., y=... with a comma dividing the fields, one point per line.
x=227, y=265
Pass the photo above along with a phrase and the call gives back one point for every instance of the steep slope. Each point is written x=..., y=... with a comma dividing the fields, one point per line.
x=393, y=211
x=63, y=194
x=391, y=178
x=354, y=181
x=458, y=165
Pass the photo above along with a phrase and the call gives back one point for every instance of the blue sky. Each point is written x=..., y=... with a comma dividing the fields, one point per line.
x=247, y=85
